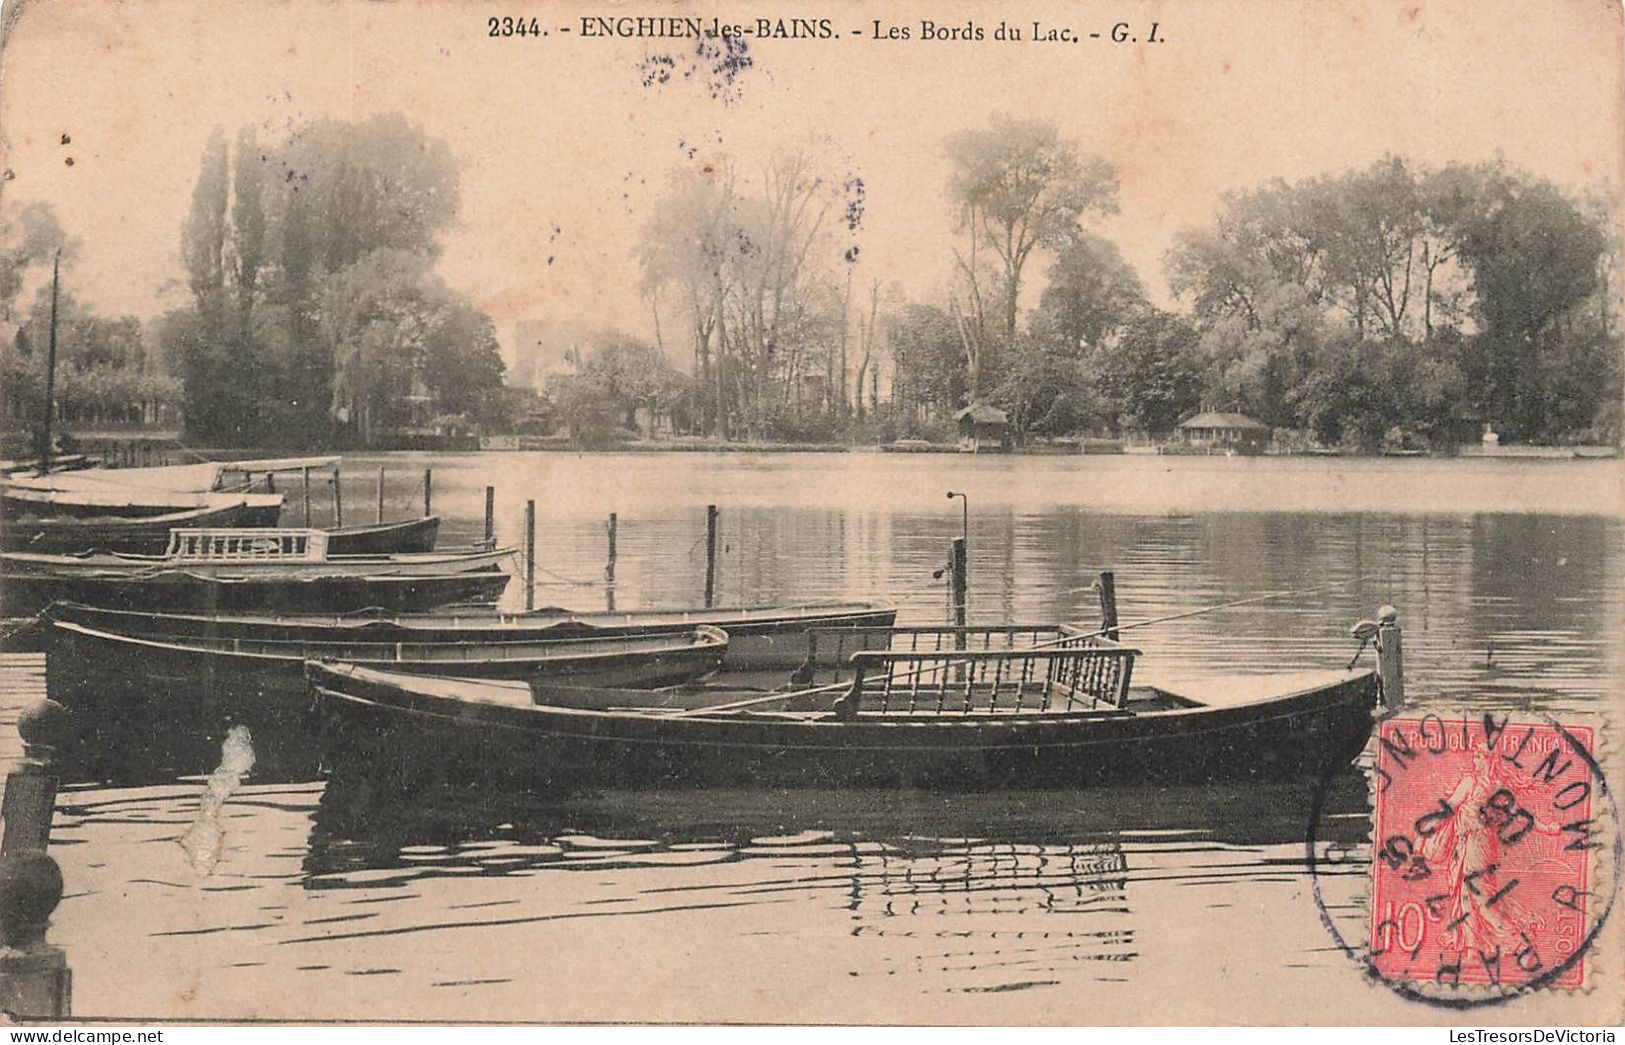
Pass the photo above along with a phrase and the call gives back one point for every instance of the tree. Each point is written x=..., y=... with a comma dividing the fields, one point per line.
x=309, y=260
x=1535, y=259
x=1091, y=292
x=30, y=237
x=1043, y=384
x=103, y=371
x=689, y=246
x=1471, y=288
x=929, y=379
x=1152, y=375
x=751, y=267
x=617, y=379
x=1019, y=188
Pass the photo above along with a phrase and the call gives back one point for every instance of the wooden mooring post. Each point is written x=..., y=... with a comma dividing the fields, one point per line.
x=1390, y=657
x=490, y=514
x=428, y=492
x=609, y=567
x=304, y=479
x=959, y=584
x=530, y=555
x=380, y=493
x=710, y=554
x=35, y=979
x=338, y=500
x=1107, y=584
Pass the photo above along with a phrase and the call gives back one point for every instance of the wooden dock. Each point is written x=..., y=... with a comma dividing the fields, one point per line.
x=22, y=682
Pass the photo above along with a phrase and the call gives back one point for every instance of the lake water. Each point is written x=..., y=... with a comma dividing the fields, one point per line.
x=1135, y=905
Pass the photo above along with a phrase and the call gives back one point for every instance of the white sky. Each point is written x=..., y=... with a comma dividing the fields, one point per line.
x=560, y=132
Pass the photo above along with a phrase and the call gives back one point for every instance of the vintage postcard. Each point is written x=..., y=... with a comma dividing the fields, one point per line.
x=911, y=512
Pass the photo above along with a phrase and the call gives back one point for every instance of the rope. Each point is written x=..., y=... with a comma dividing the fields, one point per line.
x=1241, y=602
x=562, y=579
x=188, y=450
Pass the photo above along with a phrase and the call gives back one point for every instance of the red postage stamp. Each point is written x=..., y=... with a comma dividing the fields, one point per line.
x=1481, y=851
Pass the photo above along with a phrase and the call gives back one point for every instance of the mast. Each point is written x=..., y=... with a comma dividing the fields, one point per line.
x=50, y=374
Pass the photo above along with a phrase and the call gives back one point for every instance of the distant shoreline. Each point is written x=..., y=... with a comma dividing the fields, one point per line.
x=161, y=444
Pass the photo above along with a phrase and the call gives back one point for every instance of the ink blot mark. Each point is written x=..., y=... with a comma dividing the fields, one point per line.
x=718, y=63
x=205, y=839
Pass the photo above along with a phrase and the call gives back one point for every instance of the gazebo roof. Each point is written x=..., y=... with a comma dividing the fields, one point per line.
x=1212, y=419
x=983, y=414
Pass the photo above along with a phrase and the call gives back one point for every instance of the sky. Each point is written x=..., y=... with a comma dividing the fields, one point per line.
x=564, y=150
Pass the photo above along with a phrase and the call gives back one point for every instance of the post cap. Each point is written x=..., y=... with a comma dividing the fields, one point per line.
x=1386, y=614
x=43, y=725
x=30, y=889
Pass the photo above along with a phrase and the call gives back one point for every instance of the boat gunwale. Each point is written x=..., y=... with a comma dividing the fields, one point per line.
x=440, y=620
x=1205, y=717
x=94, y=564
x=700, y=640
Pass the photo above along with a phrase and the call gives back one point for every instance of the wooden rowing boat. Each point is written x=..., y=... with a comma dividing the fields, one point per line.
x=182, y=590
x=244, y=553
x=272, y=669
x=51, y=496
x=149, y=535
x=1059, y=714
x=759, y=637
x=198, y=477
x=137, y=535
x=261, y=569
x=409, y=535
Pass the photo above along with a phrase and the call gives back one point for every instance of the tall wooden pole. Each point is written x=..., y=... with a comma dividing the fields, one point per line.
x=959, y=579
x=609, y=568
x=710, y=554
x=490, y=514
x=1108, y=604
x=46, y=438
x=530, y=555
x=304, y=479
x=338, y=500
x=380, y=493
x=428, y=492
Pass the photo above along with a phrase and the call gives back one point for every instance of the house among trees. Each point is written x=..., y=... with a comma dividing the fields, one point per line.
x=1220, y=431
x=983, y=427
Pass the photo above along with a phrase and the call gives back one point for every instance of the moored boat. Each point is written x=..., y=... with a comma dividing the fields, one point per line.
x=759, y=637
x=271, y=669
x=200, y=477
x=139, y=535
x=263, y=569
x=408, y=535
x=1060, y=714
x=52, y=496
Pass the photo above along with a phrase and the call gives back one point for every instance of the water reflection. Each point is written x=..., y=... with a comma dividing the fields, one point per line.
x=966, y=893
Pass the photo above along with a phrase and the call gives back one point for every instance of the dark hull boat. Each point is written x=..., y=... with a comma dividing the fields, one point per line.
x=775, y=637
x=218, y=570
x=1060, y=715
x=250, y=563
x=52, y=496
x=180, y=590
x=411, y=535
x=138, y=535
x=274, y=670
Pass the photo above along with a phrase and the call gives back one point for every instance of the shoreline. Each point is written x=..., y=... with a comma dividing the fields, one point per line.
x=109, y=445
